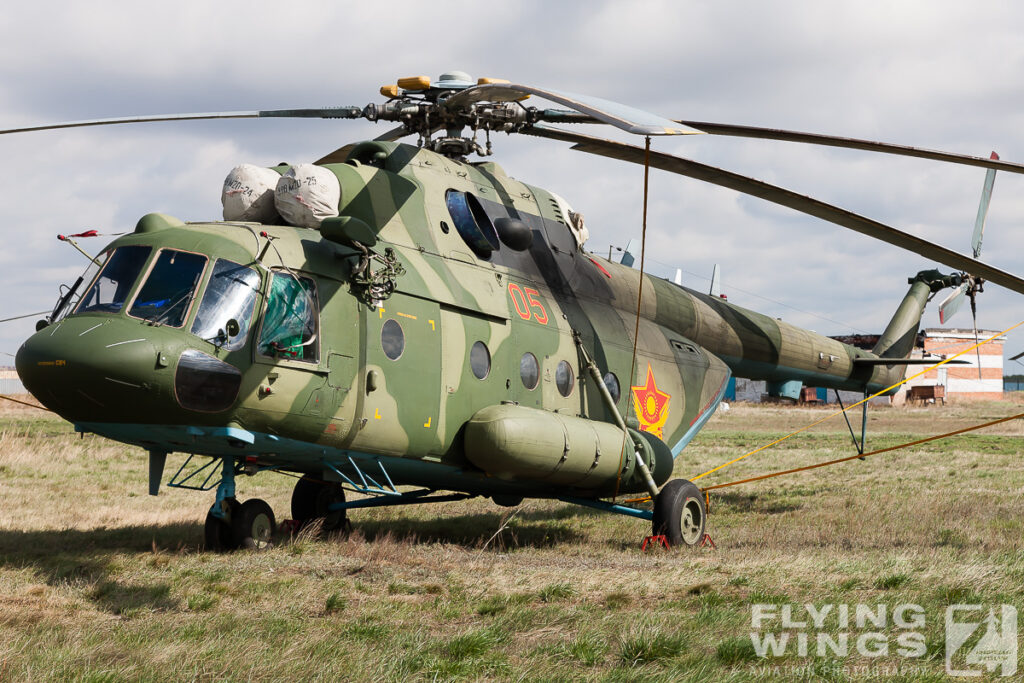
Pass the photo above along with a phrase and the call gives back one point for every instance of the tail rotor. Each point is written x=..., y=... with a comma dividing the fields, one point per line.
x=971, y=286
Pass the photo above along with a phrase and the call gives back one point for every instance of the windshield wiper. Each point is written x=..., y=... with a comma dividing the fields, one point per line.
x=62, y=302
x=188, y=293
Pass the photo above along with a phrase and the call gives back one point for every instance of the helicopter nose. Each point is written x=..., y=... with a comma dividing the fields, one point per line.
x=92, y=369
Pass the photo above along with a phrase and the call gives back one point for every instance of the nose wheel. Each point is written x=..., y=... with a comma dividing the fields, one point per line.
x=254, y=526
x=679, y=513
x=244, y=525
x=217, y=530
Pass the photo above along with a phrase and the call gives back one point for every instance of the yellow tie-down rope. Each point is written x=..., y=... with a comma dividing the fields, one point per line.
x=864, y=400
x=840, y=412
x=24, y=403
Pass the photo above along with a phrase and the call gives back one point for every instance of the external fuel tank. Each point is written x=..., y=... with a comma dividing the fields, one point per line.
x=514, y=442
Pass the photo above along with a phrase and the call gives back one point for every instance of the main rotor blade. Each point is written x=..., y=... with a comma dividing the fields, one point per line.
x=323, y=113
x=629, y=119
x=32, y=315
x=784, y=197
x=851, y=143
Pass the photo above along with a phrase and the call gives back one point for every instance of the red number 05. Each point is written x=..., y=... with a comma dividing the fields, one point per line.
x=527, y=305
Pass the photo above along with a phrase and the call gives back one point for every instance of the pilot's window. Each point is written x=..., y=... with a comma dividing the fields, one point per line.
x=109, y=291
x=230, y=295
x=529, y=370
x=480, y=360
x=290, y=325
x=564, y=378
x=166, y=295
x=612, y=383
x=392, y=339
x=472, y=223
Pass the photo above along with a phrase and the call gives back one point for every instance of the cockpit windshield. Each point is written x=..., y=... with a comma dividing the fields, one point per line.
x=108, y=293
x=166, y=295
x=230, y=295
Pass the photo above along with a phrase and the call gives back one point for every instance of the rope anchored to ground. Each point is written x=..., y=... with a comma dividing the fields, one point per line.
x=25, y=403
x=840, y=412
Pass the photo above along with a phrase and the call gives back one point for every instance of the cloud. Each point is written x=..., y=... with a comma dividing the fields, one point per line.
x=937, y=74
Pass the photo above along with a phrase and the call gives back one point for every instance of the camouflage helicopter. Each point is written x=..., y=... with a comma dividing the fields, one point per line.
x=399, y=322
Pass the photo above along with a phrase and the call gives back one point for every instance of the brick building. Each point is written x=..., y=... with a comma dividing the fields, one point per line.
x=961, y=381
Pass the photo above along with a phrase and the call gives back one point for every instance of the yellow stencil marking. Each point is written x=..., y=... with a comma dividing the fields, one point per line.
x=432, y=328
x=406, y=315
x=380, y=313
x=376, y=414
x=427, y=423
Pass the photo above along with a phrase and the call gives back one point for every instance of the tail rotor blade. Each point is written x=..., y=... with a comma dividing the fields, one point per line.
x=952, y=303
x=986, y=197
x=977, y=342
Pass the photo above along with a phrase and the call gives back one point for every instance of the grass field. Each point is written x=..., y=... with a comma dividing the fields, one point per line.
x=99, y=581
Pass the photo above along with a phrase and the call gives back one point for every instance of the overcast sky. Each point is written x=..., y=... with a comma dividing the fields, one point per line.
x=941, y=75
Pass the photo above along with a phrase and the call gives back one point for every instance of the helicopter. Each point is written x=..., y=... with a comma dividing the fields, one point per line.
x=399, y=322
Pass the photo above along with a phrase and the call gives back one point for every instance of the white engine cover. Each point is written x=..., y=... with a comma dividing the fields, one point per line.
x=248, y=194
x=307, y=194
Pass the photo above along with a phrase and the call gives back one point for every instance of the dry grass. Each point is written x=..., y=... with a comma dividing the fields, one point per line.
x=99, y=581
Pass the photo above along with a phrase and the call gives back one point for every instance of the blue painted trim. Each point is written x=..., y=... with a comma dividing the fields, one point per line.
x=232, y=433
x=407, y=498
x=225, y=490
x=701, y=421
x=369, y=485
x=183, y=482
x=605, y=506
x=282, y=453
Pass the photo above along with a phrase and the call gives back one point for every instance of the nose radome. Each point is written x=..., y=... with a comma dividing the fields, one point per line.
x=94, y=369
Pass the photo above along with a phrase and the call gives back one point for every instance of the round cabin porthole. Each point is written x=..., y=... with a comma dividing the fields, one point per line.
x=529, y=370
x=392, y=339
x=612, y=382
x=480, y=360
x=564, y=378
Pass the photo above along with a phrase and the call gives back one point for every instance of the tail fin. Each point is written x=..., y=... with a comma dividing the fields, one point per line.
x=898, y=339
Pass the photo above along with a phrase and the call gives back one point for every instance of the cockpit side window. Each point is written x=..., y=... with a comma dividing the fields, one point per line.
x=110, y=290
x=230, y=295
x=71, y=295
x=166, y=295
x=291, y=324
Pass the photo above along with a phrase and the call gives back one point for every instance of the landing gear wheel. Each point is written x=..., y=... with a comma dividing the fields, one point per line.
x=679, y=513
x=217, y=531
x=253, y=525
x=312, y=499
